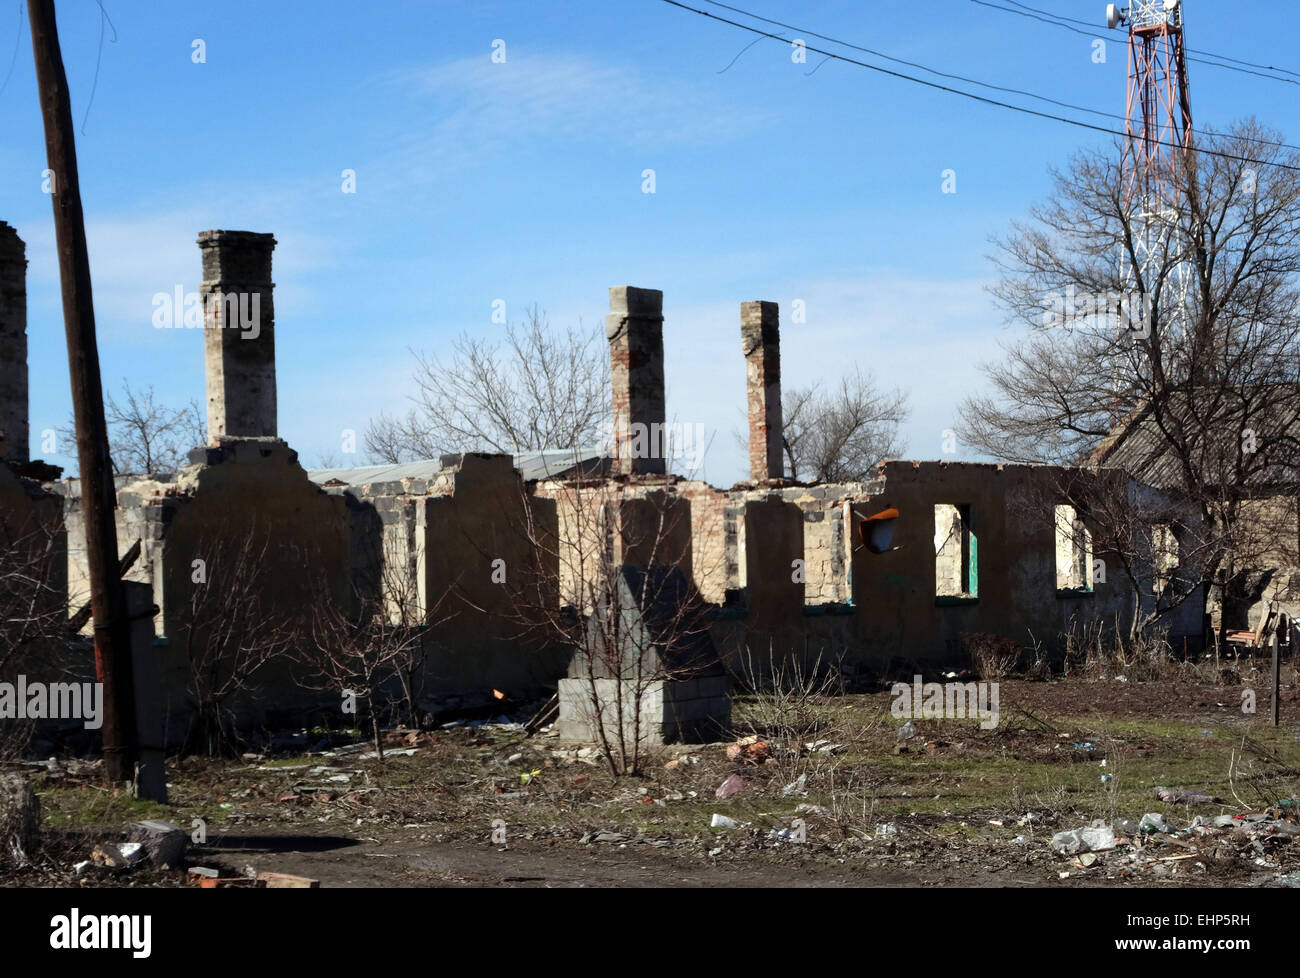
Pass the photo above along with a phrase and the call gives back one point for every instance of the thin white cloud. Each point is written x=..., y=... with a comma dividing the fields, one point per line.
x=481, y=109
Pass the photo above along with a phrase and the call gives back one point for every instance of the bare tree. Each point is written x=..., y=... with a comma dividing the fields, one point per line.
x=840, y=435
x=1187, y=370
x=539, y=389
x=146, y=437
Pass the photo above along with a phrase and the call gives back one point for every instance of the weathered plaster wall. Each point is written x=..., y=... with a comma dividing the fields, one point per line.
x=1011, y=513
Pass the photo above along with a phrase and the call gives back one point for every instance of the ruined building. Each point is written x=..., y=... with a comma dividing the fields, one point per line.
x=893, y=574
x=33, y=563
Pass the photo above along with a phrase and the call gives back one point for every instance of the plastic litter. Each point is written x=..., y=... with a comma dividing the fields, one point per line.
x=1096, y=837
x=799, y=786
x=1153, y=824
x=731, y=786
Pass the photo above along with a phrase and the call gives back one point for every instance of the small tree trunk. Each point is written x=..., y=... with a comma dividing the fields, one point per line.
x=374, y=729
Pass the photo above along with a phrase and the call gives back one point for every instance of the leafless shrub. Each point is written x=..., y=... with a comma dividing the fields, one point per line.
x=357, y=659
x=1262, y=776
x=788, y=699
x=1095, y=652
x=231, y=631
x=33, y=614
x=816, y=735
x=992, y=656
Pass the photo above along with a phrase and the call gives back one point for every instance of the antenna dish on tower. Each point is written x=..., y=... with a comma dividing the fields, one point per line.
x=1113, y=16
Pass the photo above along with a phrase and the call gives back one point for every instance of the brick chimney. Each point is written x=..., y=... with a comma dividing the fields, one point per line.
x=13, y=346
x=761, y=340
x=239, y=333
x=635, y=328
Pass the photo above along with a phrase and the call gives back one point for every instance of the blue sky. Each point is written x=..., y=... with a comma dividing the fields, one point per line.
x=522, y=181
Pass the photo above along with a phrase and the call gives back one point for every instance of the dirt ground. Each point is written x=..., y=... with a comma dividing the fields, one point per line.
x=953, y=805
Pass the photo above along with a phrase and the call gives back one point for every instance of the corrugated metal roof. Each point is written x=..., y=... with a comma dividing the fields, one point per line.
x=1145, y=446
x=531, y=466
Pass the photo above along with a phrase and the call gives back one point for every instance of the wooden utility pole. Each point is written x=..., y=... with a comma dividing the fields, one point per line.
x=98, y=496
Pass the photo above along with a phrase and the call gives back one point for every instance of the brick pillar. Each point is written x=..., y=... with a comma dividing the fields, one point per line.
x=13, y=346
x=761, y=340
x=635, y=328
x=239, y=333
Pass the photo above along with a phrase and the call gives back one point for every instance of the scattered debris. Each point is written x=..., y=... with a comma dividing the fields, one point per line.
x=606, y=837
x=907, y=731
x=373, y=755
x=1153, y=823
x=723, y=822
x=823, y=747
x=285, y=881
x=731, y=786
x=886, y=830
x=164, y=843
x=1125, y=827
x=549, y=712
x=799, y=786
x=749, y=750
x=1177, y=796
x=118, y=855
x=686, y=760
x=1096, y=837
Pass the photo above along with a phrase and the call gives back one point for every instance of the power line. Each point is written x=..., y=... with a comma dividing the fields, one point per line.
x=1078, y=123
x=944, y=74
x=1211, y=54
x=17, y=38
x=1051, y=19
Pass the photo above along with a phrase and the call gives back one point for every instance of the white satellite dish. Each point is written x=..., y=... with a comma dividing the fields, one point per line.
x=1171, y=5
x=1113, y=16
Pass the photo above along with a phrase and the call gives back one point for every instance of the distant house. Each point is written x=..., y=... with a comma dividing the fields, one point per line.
x=1228, y=445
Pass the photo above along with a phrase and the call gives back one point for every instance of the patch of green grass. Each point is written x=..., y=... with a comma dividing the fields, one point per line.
x=293, y=762
x=96, y=807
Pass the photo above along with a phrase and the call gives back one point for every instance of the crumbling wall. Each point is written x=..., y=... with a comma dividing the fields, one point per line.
x=483, y=580
x=248, y=508
x=904, y=614
x=32, y=532
x=1271, y=533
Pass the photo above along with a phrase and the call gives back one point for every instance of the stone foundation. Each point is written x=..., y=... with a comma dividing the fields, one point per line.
x=672, y=711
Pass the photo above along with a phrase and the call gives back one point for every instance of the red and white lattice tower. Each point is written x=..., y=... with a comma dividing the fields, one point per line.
x=1157, y=152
